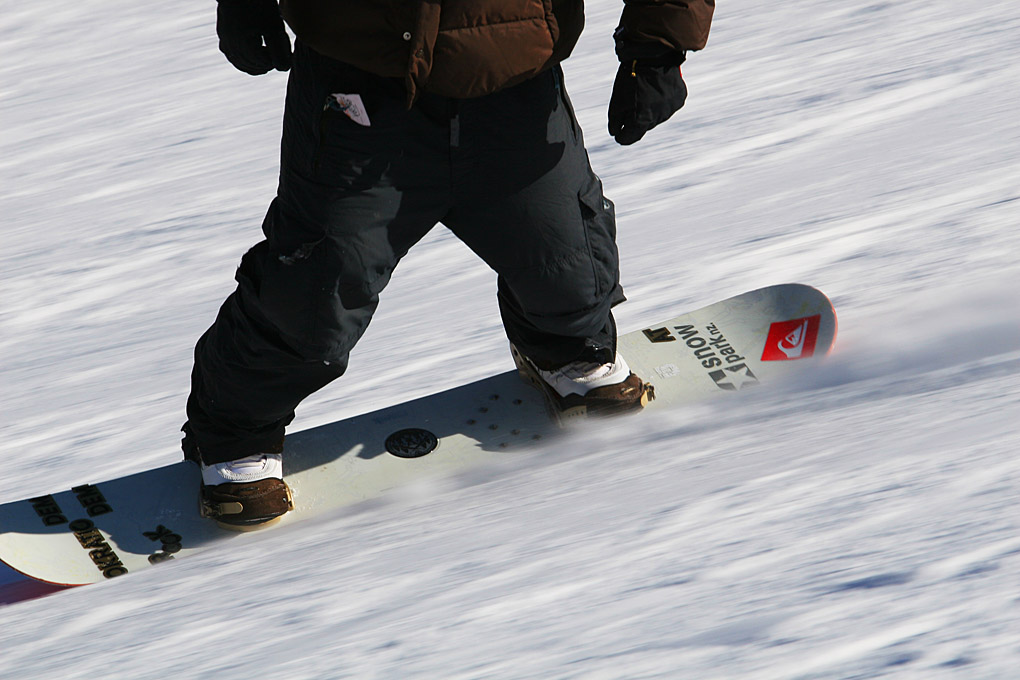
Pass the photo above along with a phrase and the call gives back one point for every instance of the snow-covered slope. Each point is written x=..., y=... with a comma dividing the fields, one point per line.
x=860, y=524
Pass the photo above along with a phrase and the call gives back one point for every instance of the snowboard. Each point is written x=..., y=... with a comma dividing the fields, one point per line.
x=105, y=529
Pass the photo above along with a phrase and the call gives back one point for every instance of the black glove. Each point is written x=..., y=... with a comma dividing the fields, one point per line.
x=648, y=90
x=243, y=26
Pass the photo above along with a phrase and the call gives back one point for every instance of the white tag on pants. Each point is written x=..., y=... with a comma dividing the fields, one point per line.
x=351, y=106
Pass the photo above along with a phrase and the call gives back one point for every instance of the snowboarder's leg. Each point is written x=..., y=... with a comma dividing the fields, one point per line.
x=528, y=202
x=343, y=217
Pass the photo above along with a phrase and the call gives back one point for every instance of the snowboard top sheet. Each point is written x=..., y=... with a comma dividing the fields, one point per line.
x=101, y=530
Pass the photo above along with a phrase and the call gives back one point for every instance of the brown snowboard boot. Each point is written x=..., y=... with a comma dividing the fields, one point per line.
x=246, y=494
x=582, y=388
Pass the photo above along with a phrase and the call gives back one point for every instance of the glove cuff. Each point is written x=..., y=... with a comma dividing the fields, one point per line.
x=649, y=53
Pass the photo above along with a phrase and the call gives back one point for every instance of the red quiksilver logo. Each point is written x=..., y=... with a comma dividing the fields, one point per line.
x=794, y=339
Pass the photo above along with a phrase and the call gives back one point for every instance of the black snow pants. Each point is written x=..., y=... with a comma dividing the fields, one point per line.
x=507, y=173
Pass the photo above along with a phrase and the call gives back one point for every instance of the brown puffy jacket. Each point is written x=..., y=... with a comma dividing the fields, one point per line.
x=468, y=48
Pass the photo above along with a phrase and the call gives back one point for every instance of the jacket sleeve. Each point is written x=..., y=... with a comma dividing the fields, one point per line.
x=677, y=25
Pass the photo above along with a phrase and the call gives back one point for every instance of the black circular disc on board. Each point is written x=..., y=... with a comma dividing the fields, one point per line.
x=413, y=442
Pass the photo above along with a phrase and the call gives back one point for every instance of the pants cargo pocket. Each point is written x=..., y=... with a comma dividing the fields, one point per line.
x=599, y=216
x=292, y=290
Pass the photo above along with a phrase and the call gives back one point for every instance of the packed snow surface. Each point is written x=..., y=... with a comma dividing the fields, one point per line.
x=859, y=524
